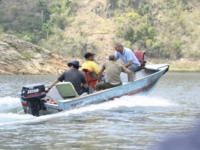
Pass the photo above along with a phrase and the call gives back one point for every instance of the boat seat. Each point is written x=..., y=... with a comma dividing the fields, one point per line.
x=140, y=56
x=66, y=90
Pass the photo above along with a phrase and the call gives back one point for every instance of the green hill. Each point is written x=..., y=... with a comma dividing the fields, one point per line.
x=165, y=29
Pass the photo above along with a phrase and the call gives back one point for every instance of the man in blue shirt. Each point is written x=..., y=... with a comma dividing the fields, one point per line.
x=127, y=56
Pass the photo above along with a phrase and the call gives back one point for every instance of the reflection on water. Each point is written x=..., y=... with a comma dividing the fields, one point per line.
x=126, y=123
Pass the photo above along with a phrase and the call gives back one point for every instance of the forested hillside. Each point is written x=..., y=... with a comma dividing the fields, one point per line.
x=163, y=28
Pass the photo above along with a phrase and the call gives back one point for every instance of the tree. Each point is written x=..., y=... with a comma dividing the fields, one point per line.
x=2, y=13
x=146, y=10
x=47, y=28
x=57, y=9
x=67, y=3
x=41, y=5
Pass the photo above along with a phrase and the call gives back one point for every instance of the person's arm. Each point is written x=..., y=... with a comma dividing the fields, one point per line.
x=96, y=69
x=129, y=58
x=128, y=64
x=83, y=82
x=54, y=82
x=59, y=79
x=116, y=56
x=129, y=74
x=100, y=74
x=85, y=85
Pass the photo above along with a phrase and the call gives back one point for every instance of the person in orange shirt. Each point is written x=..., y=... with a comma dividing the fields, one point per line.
x=91, y=70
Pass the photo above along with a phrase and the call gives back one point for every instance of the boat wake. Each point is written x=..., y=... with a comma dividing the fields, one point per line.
x=8, y=103
x=11, y=111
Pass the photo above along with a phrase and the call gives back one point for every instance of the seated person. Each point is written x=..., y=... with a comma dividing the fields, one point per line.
x=91, y=70
x=76, y=77
x=113, y=70
x=128, y=57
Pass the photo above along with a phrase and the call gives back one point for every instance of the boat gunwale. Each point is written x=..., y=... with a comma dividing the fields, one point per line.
x=97, y=93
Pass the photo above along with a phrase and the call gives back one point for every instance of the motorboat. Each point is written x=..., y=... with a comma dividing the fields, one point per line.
x=63, y=97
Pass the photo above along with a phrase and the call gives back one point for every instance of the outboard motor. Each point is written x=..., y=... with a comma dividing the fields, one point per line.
x=33, y=94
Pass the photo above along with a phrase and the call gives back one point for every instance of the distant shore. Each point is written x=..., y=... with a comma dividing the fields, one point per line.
x=183, y=70
x=182, y=65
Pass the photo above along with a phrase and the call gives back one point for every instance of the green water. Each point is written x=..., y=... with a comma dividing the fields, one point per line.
x=127, y=123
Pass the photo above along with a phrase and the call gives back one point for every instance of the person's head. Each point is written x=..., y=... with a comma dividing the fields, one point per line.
x=89, y=56
x=74, y=64
x=112, y=57
x=119, y=47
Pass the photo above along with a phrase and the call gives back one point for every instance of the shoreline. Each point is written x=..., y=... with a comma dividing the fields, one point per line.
x=171, y=70
x=179, y=66
x=184, y=70
x=182, y=65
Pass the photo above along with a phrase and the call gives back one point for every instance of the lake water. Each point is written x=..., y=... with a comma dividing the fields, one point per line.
x=137, y=123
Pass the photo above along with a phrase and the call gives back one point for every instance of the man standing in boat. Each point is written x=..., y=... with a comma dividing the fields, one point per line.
x=128, y=57
x=113, y=70
x=73, y=75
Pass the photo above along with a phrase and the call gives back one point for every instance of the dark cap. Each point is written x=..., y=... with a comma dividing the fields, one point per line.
x=75, y=63
x=87, y=55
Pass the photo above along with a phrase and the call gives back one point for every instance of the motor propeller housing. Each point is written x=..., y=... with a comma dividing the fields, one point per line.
x=33, y=94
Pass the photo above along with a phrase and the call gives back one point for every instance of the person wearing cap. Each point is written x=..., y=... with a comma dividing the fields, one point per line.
x=90, y=68
x=128, y=57
x=113, y=70
x=75, y=76
x=90, y=64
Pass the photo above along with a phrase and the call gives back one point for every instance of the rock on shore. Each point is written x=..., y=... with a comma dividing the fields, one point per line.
x=20, y=57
